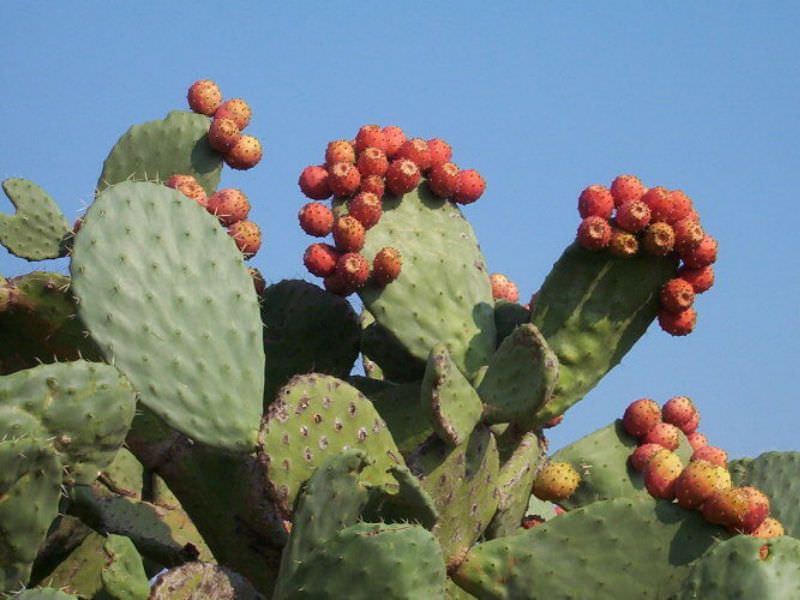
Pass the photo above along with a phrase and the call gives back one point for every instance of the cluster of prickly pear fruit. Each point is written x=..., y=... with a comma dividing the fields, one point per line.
x=251, y=443
x=627, y=218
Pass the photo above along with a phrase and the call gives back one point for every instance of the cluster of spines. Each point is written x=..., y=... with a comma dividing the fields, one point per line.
x=627, y=218
x=358, y=173
x=705, y=483
x=229, y=119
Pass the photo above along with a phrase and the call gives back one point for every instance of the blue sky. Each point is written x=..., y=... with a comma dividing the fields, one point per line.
x=543, y=98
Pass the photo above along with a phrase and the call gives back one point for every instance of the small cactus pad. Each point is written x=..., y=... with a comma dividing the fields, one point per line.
x=452, y=404
x=372, y=560
x=102, y=567
x=383, y=349
x=38, y=229
x=514, y=486
x=85, y=408
x=746, y=567
x=462, y=483
x=305, y=330
x=332, y=500
x=44, y=594
x=589, y=322
x=520, y=379
x=156, y=150
x=507, y=315
x=602, y=460
x=777, y=474
x=411, y=503
x=168, y=299
x=620, y=548
x=313, y=418
x=199, y=580
x=30, y=480
x=434, y=298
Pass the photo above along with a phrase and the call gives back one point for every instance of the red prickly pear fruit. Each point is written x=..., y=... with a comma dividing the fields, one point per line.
x=353, y=268
x=402, y=176
x=320, y=259
x=661, y=473
x=443, y=179
x=340, y=151
x=641, y=456
x=700, y=279
x=702, y=255
x=229, y=205
x=677, y=295
x=366, y=207
x=316, y=219
x=633, y=216
x=757, y=509
x=394, y=138
x=659, y=239
x=682, y=206
x=596, y=201
x=531, y=521
x=417, y=151
x=386, y=265
x=623, y=244
x=594, y=233
x=441, y=152
x=556, y=481
x=373, y=184
x=247, y=236
x=688, y=234
x=313, y=182
x=372, y=161
x=244, y=154
x=769, y=528
x=204, y=97
x=555, y=421
x=223, y=134
x=678, y=324
x=236, y=109
x=503, y=288
x=470, y=186
x=664, y=434
x=626, y=188
x=259, y=283
x=348, y=234
x=697, y=440
x=660, y=204
x=641, y=416
x=678, y=410
x=343, y=179
x=690, y=426
x=370, y=136
x=189, y=187
x=336, y=284
x=726, y=507
x=698, y=481
x=712, y=454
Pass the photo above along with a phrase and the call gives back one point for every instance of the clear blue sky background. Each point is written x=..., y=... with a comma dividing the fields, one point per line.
x=543, y=98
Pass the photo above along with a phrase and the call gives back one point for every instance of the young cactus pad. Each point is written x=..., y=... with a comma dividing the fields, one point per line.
x=38, y=228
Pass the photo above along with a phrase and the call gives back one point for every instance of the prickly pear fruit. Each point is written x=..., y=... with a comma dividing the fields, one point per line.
x=677, y=324
x=247, y=236
x=556, y=481
x=402, y=176
x=386, y=265
x=661, y=473
x=366, y=208
x=769, y=528
x=245, y=154
x=443, y=179
x=679, y=410
x=223, y=134
x=698, y=481
x=321, y=259
x=663, y=434
x=633, y=216
x=340, y=151
x=641, y=416
x=313, y=182
x=677, y=295
x=348, y=234
x=470, y=186
x=642, y=455
x=315, y=219
x=204, y=97
x=503, y=288
x=626, y=188
x=596, y=201
x=229, y=205
x=237, y=109
x=712, y=454
x=594, y=233
x=372, y=161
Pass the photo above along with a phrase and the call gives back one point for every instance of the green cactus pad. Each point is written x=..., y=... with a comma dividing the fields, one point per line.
x=332, y=500
x=620, y=548
x=306, y=329
x=39, y=323
x=372, y=560
x=124, y=476
x=746, y=567
x=777, y=474
x=514, y=485
x=30, y=480
x=167, y=297
x=44, y=594
x=520, y=379
x=602, y=460
x=591, y=310
x=313, y=418
x=86, y=408
x=156, y=150
x=380, y=347
x=199, y=581
x=443, y=291
x=507, y=316
x=449, y=400
x=411, y=503
x=38, y=228
x=462, y=482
